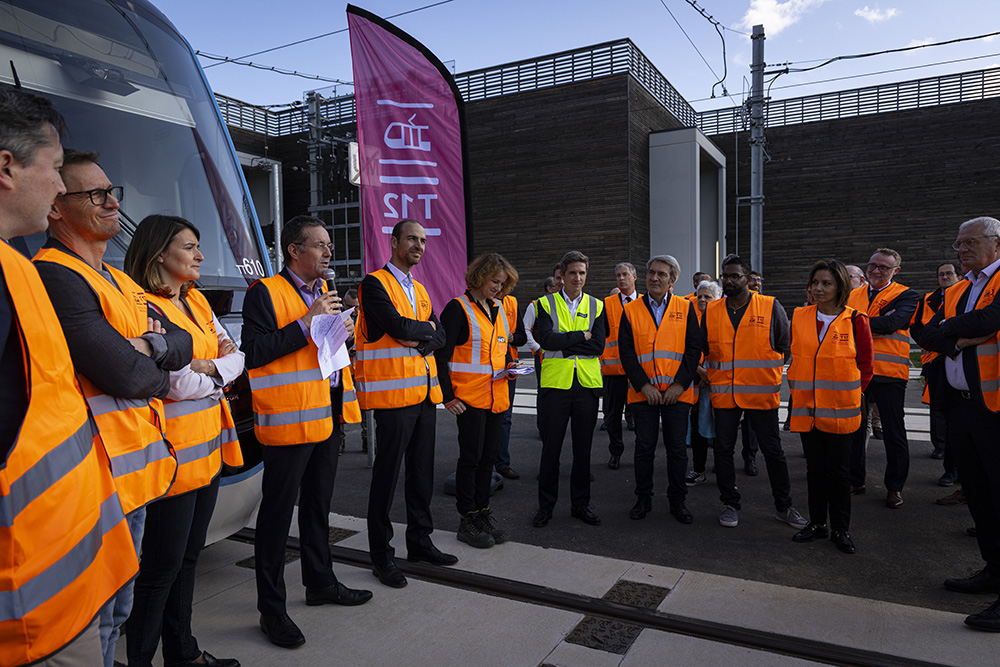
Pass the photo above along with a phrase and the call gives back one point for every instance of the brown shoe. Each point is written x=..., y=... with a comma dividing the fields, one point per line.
x=509, y=473
x=858, y=490
x=952, y=500
x=893, y=499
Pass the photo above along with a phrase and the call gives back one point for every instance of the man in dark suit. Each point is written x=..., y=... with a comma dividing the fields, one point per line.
x=964, y=331
x=397, y=378
x=299, y=446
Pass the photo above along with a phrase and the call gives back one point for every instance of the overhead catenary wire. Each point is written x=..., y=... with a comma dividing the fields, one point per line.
x=269, y=68
x=695, y=46
x=718, y=28
x=311, y=39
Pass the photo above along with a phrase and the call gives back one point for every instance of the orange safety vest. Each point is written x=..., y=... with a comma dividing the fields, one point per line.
x=473, y=363
x=923, y=314
x=611, y=363
x=291, y=398
x=988, y=353
x=660, y=348
x=350, y=408
x=142, y=462
x=892, y=351
x=65, y=548
x=509, y=303
x=823, y=376
x=391, y=375
x=743, y=368
x=201, y=430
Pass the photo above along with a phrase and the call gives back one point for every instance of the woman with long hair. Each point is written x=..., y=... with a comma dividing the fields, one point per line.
x=832, y=363
x=165, y=260
x=477, y=329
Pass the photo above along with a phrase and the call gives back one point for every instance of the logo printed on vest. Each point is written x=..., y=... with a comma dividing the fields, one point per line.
x=756, y=320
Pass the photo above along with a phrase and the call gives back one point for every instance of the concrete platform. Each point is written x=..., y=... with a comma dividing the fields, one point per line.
x=434, y=624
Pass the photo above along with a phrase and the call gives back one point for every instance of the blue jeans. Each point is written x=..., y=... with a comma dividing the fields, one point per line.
x=114, y=614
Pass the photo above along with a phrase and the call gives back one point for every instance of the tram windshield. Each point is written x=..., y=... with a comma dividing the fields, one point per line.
x=130, y=88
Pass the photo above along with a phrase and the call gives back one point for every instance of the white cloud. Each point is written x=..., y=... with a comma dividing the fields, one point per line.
x=876, y=15
x=776, y=15
x=921, y=42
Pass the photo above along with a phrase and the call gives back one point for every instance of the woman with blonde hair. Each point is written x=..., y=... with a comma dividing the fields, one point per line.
x=165, y=260
x=478, y=330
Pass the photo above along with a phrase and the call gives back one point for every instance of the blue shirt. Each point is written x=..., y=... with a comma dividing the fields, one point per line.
x=406, y=282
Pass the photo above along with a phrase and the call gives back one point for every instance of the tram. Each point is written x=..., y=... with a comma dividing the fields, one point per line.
x=130, y=87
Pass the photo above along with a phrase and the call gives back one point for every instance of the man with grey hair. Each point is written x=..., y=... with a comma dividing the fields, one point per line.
x=615, y=382
x=856, y=275
x=660, y=350
x=965, y=332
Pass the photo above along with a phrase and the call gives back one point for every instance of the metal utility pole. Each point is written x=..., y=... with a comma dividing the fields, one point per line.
x=315, y=141
x=757, y=142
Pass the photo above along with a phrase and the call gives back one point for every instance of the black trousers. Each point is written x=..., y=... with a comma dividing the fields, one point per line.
x=304, y=472
x=973, y=429
x=674, y=419
x=765, y=424
x=479, y=434
x=615, y=398
x=538, y=379
x=828, y=459
x=750, y=444
x=939, y=436
x=560, y=406
x=699, y=443
x=402, y=433
x=888, y=396
x=164, y=589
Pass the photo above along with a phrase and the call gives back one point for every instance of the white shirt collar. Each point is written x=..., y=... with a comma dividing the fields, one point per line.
x=400, y=276
x=985, y=274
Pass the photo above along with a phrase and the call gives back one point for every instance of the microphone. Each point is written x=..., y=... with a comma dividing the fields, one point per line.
x=330, y=276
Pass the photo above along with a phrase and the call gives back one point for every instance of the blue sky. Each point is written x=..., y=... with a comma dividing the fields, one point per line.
x=483, y=33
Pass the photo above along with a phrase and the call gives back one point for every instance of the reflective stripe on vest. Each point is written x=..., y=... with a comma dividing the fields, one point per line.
x=350, y=408
x=610, y=359
x=988, y=353
x=473, y=363
x=824, y=377
x=892, y=351
x=195, y=426
x=131, y=429
x=388, y=374
x=743, y=368
x=559, y=369
x=291, y=398
x=66, y=545
x=660, y=349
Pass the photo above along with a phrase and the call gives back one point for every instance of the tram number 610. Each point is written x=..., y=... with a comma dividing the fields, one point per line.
x=391, y=199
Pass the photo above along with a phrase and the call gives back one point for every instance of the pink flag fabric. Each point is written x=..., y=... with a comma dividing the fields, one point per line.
x=410, y=139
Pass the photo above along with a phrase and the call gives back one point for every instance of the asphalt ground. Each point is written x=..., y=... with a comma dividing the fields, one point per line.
x=903, y=555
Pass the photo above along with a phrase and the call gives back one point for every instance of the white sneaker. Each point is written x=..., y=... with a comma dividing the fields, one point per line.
x=730, y=517
x=792, y=517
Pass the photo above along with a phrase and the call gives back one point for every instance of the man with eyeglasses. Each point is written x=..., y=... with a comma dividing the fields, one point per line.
x=890, y=307
x=856, y=275
x=932, y=369
x=297, y=420
x=122, y=356
x=965, y=332
x=745, y=340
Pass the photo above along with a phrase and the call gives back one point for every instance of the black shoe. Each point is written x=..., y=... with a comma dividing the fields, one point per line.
x=988, y=619
x=431, y=555
x=338, y=593
x=542, y=517
x=470, y=532
x=877, y=433
x=751, y=468
x=948, y=479
x=485, y=521
x=811, y=532
x=842, y=541
x=389, y=574
x=509, y=473
x=937, y=454
x=615, y=462
x=584, y=514
x=980, y=582
x=642, y=507
x=212, y=661
x=681, y=512
x=282, y=631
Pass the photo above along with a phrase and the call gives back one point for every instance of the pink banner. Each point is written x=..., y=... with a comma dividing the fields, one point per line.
x=410, y=139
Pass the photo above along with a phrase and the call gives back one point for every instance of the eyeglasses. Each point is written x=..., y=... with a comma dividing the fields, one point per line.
x=99, y=196
x=318, y=246
x=972, y=243
x=880, y=267
x=945, y=274
x=732, y=277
